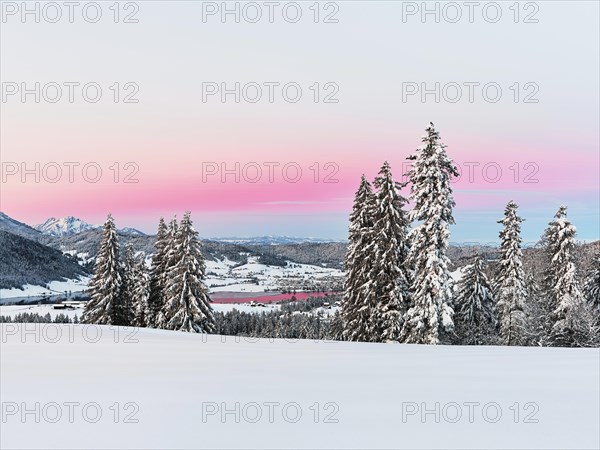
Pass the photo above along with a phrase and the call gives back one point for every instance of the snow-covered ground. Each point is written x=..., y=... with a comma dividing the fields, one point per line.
x=42, y=310
x=223, y=276
x=163, y=389
x=257, y=277
x=243, y=307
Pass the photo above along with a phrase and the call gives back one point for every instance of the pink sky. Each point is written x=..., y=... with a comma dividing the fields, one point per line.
x=164, y=188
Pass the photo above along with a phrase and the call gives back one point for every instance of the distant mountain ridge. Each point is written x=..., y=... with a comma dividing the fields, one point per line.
x=133, y=231
x=272, y=240
x=68, y=226
x=19, y=228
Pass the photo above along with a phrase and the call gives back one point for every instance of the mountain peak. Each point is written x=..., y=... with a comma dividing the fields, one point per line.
x=64, y=226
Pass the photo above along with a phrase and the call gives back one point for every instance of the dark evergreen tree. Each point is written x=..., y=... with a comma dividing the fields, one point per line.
x=336, y=327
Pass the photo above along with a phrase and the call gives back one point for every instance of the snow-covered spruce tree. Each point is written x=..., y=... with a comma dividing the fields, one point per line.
x=430, y=314
x=474, y=317
x=356, y=312
x=572, y=323
x=187, y=304
x=541, y=299
x=105, y=285
x=157, y=275
x=388, y=278
x=336, y=327
x=591, y=287
x=171, y=250
x=140, y=292
x=128, y=280
x=537, y=313
x=551, y=242
x=169, y=260
x=510, y=281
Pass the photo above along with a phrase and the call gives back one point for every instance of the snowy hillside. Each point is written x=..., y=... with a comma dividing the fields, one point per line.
x=28, y=262
x=15, y=227
x=162, y=389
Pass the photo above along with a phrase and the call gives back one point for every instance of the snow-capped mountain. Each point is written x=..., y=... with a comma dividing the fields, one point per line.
x=70, y=225
x=133, y=231
x=64, y=226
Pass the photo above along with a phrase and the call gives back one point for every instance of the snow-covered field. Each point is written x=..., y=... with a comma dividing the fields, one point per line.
x=163, y=389
x=257, y=277
x=223, y=276
x=42, y=310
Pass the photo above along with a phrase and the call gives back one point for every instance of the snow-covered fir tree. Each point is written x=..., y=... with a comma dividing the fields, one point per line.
x=171, y=250
x=157, y=275
x=430, y=314
x=388, y=277
x=336, y=327
x=170, y=258
x=510, y=281
x=537, y=313
x=187, y=304
x=571, y=317
x=540, y=308
x=104, y=288
x=140, y=292
x=356, y=312
x=591, y=287
x=474, y=317
x=551, y=242
x=128, y=283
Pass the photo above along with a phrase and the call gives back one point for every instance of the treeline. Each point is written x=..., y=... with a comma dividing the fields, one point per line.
x=276, y=325
x=38, y=318
x=170, y=295
x=292, y=320
x=398, y=286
